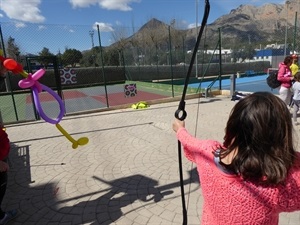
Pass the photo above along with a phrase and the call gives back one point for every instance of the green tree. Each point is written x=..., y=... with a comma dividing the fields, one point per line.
x=121, y=42
x=12, y=50
x=242, y=52
x=45, y=57
x=71, y=57
x=86, y=59
x=111, y=57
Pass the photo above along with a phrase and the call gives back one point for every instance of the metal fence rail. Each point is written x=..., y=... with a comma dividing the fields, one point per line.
x=93, y=76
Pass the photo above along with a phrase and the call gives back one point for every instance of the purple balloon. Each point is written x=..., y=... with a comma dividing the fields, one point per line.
x=39, y=108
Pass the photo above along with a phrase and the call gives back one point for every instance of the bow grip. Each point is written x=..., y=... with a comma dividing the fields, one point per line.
x=180, y=112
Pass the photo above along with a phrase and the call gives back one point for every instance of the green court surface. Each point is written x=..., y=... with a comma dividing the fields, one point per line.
x=19, y=106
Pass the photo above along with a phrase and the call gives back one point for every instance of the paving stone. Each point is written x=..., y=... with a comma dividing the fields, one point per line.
x=126, y=174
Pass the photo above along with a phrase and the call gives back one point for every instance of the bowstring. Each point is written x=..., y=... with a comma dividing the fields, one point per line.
x=196, y=129
x=181, y=113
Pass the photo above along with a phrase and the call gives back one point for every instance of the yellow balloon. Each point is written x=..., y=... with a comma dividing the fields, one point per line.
x=80, y=141
x=83, y=141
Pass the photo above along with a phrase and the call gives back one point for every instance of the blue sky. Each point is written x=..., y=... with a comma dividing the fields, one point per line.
x=108, y=14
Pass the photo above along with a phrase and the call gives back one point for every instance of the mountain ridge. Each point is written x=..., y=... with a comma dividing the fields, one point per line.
x=265, y=24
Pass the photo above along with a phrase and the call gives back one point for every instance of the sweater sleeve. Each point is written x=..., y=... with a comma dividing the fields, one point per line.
x=281, y=74
x=289, y=199
x=193, y=146
x=4, y=145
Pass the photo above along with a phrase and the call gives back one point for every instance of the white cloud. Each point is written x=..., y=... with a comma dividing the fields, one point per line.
x=42, y=27
x=82, y=3
x=20, y=25
x=104, y=27
x=182, y=24
x=122, y=5
x=68, y=28
x=192, y=25
x=119, y=23
x=21, y=10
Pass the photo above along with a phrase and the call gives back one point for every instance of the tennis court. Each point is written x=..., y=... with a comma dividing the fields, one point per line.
x=244, y=84
x=93, y=98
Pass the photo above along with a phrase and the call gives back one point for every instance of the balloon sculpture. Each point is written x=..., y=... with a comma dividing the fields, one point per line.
x=31, y=81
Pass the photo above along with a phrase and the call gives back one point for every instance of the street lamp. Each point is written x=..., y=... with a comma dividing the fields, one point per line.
x=91, y=32
x=286, y=26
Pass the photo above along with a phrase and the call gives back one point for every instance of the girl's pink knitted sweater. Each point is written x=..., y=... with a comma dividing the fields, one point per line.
x=228, y=199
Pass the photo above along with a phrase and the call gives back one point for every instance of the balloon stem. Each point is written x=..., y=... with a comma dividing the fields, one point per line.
x=24, y=74
x=65, y=133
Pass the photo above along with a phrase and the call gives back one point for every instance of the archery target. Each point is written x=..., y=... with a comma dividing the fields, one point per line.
x=130, y=90
x=68, y=76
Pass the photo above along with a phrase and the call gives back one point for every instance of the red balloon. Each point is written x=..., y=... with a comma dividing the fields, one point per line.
x=13, y=66
x=10, y=64
x=18, y=69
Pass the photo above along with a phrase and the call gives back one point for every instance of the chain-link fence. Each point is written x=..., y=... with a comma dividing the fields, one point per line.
x=138, y=65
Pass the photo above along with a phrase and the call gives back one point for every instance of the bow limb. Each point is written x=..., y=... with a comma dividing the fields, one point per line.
x=181, y=113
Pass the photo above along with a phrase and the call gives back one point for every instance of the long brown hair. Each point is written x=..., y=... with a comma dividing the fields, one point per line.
x=287, y=60
x=260, y=129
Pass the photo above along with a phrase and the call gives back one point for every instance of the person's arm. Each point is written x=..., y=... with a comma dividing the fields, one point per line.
x=3, y=166
x=4, y=145
x=192, y=145
x=281, y=73
x=4, y=150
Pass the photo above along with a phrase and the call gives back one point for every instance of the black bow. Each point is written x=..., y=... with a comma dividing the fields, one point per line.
x=181, y=113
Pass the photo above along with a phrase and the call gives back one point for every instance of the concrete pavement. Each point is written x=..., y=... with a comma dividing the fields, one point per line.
x=126, y=174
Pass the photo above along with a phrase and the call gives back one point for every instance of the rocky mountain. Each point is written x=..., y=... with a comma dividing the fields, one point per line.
x=266, y=24
x=246, y=24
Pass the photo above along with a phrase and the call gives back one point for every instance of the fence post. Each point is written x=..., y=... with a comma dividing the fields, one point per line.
x=206, y=93
x=232, y=84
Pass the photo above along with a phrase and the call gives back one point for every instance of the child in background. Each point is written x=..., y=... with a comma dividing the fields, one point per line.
x=4, y=167
x=285, y=77
x=255, y=174
x=294, y=67
x=5, y=217
x=296, y=97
